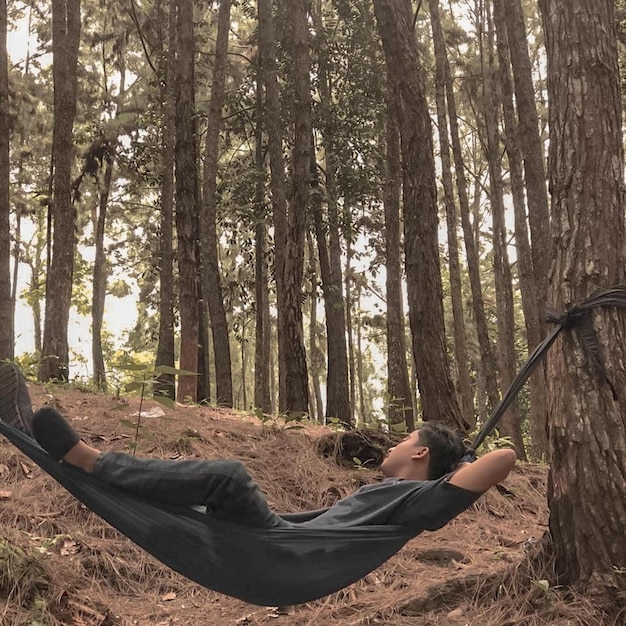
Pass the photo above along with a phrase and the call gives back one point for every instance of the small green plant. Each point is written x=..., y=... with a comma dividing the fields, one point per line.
x=148, y=382
x=287, y=421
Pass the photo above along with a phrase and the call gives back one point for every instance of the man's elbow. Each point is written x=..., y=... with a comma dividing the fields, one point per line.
x=505, y=462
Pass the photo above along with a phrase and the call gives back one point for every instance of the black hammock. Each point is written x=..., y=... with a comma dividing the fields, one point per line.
x=278, y=566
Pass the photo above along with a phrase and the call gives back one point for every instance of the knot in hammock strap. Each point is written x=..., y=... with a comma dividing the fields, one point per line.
x=577, y=317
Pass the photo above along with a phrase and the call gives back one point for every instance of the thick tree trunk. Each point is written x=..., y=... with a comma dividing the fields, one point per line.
x=210, y=276
x=400, y=407
x=293, y=363
x=316, y=356
x=537, y=197
x=186, y=208
x=425, y=294
x=528, y=286
x=165, y=348
x=288, y=228
x=6, y=301
x=464, y=385
x=586, y=401
x=66, y=25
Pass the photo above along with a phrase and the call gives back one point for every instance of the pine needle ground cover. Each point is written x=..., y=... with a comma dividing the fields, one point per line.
x=62, y=565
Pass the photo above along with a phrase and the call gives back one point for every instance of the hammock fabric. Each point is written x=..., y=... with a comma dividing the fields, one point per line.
x=269, y=567
x=278, y=566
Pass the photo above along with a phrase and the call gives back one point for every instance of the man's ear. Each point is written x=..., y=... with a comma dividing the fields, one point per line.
x=421, y=453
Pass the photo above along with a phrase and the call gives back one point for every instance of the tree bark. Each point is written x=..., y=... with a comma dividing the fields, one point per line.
x=587, y=404
x=100, y=273
x=66, y=26
x=464, y=386
x=288, y=225
x=262, y=394
x=337, y=384
x=186, y=208
x=6, y=301
x=400, y=401
x=425, y=293
x=165, y=347
x=210, y=276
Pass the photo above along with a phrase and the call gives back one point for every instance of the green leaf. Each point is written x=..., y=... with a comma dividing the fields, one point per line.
x=135, y=385
x=544, y=585
x=165, y=401
x=132, y=367
x=166, y=369
x=128, y=424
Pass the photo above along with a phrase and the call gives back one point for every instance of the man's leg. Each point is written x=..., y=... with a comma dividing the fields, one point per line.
x=223, y=486
x=15, y=406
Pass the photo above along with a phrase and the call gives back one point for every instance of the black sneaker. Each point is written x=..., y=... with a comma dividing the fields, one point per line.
x=16, y=408
x=53, y=432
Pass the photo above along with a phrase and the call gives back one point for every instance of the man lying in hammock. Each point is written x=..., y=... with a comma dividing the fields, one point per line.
x=425, y=484
x=210, y=522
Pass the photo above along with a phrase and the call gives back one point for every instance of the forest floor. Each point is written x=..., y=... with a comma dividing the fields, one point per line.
x=60, y=564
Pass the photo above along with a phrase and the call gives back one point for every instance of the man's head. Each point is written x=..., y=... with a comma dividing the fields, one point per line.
x=425, y=454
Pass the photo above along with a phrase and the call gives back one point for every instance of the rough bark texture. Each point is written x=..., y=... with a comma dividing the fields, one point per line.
x=587, y=408
x=186, y=209
x=464, y=385
x=6, y=301
x=165, y=348
x=288, y=225
x=210, y=276
x=66, y=25
x=537, y=198
x=400, y=407
x=437, y=394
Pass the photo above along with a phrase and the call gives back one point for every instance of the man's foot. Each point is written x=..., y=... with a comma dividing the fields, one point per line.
x=16, y=408
x=53, y=433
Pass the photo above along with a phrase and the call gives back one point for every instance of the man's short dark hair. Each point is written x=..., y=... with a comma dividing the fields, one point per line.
x=446, y=448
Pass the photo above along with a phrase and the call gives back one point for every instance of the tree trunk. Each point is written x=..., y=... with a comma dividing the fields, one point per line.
x=488, y=360
x=464, y=386
x=293, y=363
x=6, y=301
x=262, y=395
x=165, y=348
x=400, y=407
x=288, y=226
x=536, y=193
x=510, y=424
x=425, y=293
x=100, y=273
x=587, y=404
x=186, y=209
x=316, y=357
x=528, y=287
x=66, y=25
x=338, y=386
x=210, y=273
x=350, y=329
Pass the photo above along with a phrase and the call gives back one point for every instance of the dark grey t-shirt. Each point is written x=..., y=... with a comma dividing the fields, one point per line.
x=416, y=504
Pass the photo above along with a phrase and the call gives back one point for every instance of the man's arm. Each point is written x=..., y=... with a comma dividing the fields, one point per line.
x=487, y=471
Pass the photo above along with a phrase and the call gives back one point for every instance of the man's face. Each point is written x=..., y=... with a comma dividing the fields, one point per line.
x=401, y=457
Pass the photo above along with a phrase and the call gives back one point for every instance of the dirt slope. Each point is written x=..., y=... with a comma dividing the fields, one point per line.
x=77, y=570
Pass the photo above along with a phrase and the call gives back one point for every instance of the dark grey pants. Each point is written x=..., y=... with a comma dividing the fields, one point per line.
x=223, y=486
